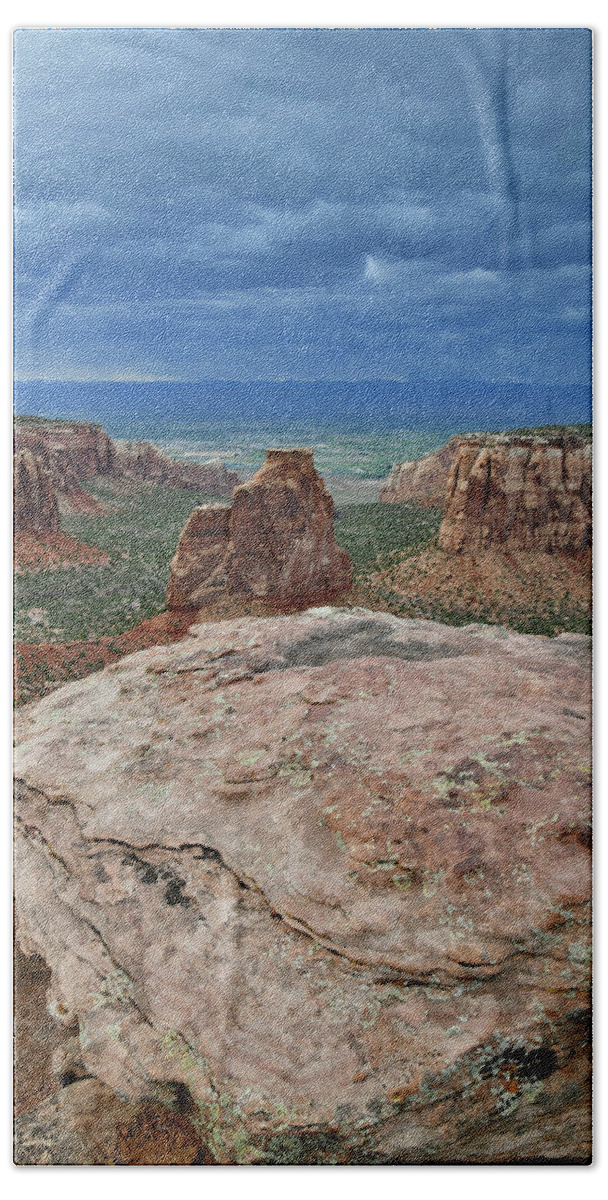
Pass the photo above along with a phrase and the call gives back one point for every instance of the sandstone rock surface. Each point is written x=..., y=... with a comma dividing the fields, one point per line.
x=519, y=492
x=86, y=1124
x=423, y=480
x=35, y=505
x=274, y=544
x=68, y=449
x=330, y=874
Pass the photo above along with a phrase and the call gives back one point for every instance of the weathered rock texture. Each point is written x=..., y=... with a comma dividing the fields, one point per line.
x=69, y=449
x=274, y=544
x=424, y=480
x=328, y=873
x=35, y=504
x=142, y=460
x=37, y=1037
x=86, y=1124
x=519, y=492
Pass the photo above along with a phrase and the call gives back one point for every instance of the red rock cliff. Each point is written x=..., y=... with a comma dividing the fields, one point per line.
x=519, y=492
x=81, y=448
x=276, y=543
x=35, y=502
x=143, y=460
x=424, y=480
x=75, y=450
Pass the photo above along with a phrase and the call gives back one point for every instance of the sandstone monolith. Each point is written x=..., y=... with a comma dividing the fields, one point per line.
x=275, y=544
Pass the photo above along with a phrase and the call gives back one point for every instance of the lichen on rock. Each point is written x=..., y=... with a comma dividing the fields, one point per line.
x=329, y=875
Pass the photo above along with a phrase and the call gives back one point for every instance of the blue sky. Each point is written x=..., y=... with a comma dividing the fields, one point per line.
x=303, y=204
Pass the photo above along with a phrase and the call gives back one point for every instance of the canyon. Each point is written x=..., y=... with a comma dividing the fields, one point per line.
x=74, y=451
x=423, y=480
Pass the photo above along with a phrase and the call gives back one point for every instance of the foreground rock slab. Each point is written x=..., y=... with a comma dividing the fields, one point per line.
x=327, y=874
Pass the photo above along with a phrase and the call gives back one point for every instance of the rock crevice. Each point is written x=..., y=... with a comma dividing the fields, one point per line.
x=344, y=904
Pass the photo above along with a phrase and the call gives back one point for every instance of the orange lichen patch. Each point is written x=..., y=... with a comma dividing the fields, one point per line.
x=41, y=667
x=54, y=551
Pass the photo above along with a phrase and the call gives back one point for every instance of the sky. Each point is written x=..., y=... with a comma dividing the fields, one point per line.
x=303, y=205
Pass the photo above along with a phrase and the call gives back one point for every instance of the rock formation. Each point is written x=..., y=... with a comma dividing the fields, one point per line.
x=35, y=504
x=327, y=875
x=69, y=449
x=142, y=460
x=423, y=480
x=274, y=544
x=519, y=492
x=73, y=451
x=86, y=1124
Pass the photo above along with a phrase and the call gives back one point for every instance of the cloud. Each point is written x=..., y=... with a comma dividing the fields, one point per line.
x=195, y=200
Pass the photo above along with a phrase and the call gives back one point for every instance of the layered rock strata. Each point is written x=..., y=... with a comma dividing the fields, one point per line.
x=69, y=449
x=423, y=480
x=35, y=506
x=519, y=492
x=328, y=875
x=275, y=543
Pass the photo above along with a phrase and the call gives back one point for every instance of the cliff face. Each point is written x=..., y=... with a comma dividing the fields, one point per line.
x=424, y=480
x=275, y=544
x=353, y=927
x=36, y=509
x=72, y=451
x=519, y=492
x=144, y=461
x=68, y=448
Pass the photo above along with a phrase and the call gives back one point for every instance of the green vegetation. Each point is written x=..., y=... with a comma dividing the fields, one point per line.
x=583, y=431
x=547, y=618
x=371, y=531
x=140, y=527
x=139, y=530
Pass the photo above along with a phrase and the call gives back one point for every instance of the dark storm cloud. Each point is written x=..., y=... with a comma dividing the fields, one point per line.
x=303, y=203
